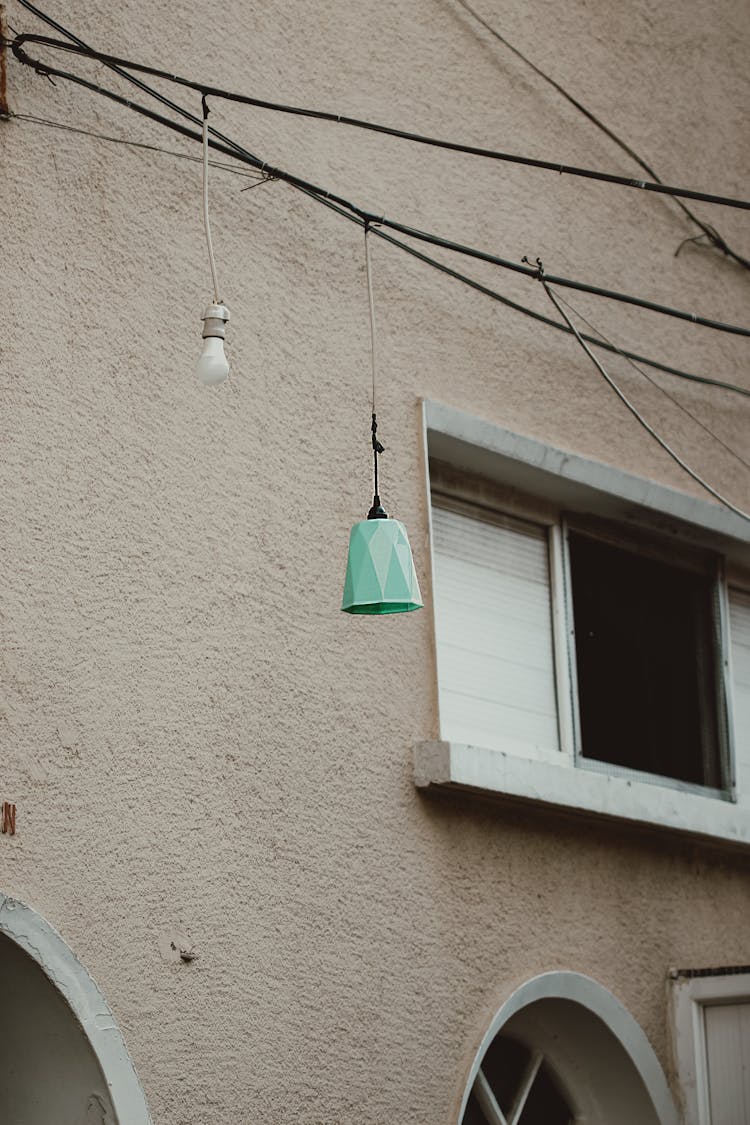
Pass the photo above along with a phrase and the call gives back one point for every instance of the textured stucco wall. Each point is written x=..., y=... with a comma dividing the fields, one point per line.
x=198, y=742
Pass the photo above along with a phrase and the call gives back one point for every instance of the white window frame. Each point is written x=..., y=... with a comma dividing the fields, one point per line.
x=690, y=995
x=559, y=481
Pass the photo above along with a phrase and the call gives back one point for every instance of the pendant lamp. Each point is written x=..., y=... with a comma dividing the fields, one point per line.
x=380, y=574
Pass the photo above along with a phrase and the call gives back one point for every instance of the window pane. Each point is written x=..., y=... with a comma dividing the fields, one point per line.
x=545, y=1105
x=646, y=663
x=503, y=1066
x=473, y=1114
x=739, y=627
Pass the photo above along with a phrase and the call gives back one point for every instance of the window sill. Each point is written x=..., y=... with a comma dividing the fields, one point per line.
x=453, y=766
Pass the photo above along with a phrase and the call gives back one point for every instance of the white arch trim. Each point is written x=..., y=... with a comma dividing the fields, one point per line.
x=44, y=945
x=600, y=1002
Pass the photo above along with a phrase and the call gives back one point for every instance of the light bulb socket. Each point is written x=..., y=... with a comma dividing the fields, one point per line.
x=214, y=321
x=377, y=511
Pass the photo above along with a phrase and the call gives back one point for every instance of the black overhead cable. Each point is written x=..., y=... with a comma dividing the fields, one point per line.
x=565, y=282
x=371, y=218
x=241, y=154
x=244, y=156
x=675, y=402
x=118, y=70
x=709, y=232
x=117, y=63
x=476, y=285
x=34, y=120
x=606, y=345
x=631, y=407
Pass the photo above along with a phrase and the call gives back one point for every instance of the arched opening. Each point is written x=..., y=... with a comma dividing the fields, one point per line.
x=48, y=1071
x=62, y=1057
x=563, y=1050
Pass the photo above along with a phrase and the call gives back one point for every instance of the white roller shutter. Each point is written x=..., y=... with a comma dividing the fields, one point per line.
x=494, y=634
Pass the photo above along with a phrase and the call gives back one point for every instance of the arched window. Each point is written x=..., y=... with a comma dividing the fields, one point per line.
x=563, y=1050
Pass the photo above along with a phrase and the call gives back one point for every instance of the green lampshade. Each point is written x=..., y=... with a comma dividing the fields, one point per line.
x=380, y=575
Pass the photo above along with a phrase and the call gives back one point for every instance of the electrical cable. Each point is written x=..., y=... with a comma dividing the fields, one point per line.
x=633, y=409
x=371, y=305
x=115, y=61
x=119, y=71
x=206, y=222
x=676, y=402
x=412, y=232
x=705, y=380
x=709, y=232
x=565, y=282
x=240, y=154
x=376, y=511
x=34, y=120
x=440, y=266
x=244, y=156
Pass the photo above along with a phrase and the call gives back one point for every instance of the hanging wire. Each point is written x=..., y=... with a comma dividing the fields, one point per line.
x=229, y=146
x=709, y=232
x=371, y=304
x=403, y=134
x=376, y=512
x=34, y=120
x=600, y=341
x=411, y=232
x=401, y=227
x=206, y=222
x=633, y=409
x=676, y=402
x=124, y=74
x=356, y=214
x=704, y=380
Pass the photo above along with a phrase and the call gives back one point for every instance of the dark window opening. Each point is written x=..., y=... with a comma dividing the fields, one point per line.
x=647, y=663
x=516, y=1076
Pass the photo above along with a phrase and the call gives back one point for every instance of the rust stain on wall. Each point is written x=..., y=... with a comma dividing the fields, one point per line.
x=3, y=50
x=9, y=819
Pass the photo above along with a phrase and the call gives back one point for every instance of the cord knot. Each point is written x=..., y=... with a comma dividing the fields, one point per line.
x=539, y=273
x=375, y=443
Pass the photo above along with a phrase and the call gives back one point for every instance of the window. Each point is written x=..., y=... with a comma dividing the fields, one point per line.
x=562, y=1050
x=711, y=1036
x=515, y=1086
x=590, y=651
x=645, y=659
x=648, y=669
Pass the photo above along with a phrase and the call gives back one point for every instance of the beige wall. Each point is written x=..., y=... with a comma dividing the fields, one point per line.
x=195, y=737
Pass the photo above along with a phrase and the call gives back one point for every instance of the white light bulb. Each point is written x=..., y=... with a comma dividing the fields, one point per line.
x=212, y=366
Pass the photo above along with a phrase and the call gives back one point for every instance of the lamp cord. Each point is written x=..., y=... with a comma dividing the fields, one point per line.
x=376, y=512
x=206, y=222
x=371, y=300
